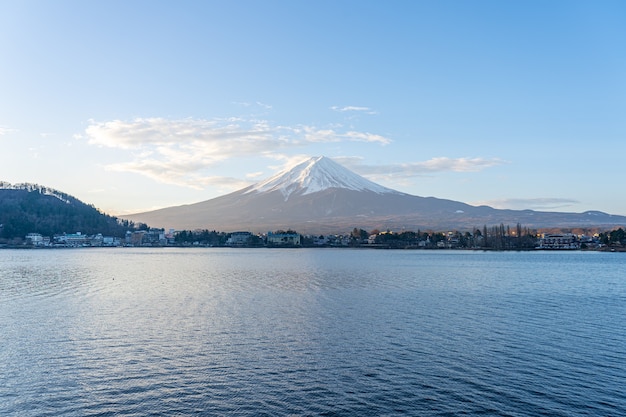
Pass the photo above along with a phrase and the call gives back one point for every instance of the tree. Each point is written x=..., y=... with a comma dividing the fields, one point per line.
x=485, y=237
x=617, y=236
x=357, y=236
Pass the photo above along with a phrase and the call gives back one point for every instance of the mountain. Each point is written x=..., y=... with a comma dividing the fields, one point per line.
x=315, y=175
x=321, y=196
x=26, y=208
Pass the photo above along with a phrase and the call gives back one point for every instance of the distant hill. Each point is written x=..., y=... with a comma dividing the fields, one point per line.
x=321, y=196
x=26, y=208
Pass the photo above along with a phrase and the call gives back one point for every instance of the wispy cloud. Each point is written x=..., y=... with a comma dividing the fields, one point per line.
x=170, y=172
x=183, y=151
x=530, y=203
x=420, y=168
x=264, y=105
x=286, y=161
x=358, y=109
x=254, y=175
x=5, y=130
x=330, y=135
x=255, y=103
x=186, y=152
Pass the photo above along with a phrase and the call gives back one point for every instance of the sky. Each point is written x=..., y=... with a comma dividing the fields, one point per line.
x=138, y=105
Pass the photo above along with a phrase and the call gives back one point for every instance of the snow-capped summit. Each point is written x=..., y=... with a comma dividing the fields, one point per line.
x=317, y=174
x=320, y=196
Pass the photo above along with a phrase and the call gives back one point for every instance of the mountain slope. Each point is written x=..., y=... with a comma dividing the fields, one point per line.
x=26, y=208
x=314, y=175
x=321, y=196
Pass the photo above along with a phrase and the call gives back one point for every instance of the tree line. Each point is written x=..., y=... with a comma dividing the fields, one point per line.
x=499, y=237
x=30, y=208
x=614, y=237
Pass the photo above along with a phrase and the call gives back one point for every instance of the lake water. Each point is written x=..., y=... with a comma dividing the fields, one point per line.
x=341, y=332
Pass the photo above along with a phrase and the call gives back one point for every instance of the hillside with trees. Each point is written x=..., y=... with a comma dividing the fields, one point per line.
x=28, y=208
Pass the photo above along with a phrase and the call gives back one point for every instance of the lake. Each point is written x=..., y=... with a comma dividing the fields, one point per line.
x=345, y=332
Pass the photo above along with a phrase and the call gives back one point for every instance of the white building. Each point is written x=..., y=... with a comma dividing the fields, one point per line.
x=36, y=239
x=72, y=239
x=239, y=239
x=283, y=239
x=559, y=241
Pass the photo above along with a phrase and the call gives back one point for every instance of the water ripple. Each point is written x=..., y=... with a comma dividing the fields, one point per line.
x=320, y=332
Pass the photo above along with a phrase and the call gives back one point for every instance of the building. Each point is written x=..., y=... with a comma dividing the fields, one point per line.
x=559, y=241
x=36, y=239
x=283, y=239
x=239, y=239
x=71, y=239
x=152, y=237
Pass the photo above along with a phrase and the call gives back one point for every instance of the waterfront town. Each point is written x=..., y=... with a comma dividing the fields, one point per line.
x=496, y=238
x=33, y=216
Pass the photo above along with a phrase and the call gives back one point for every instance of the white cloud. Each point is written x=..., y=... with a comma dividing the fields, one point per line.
x=36, y=151
x=286, y=161
x=530, y=203
x=248, y=104
x=183, y=151
x=254, y=175
x=329, y=136
x=455, y=164
x=414, y=169
x=178, y=174
x=5, y=130
x=359, y=109
x=366, y=137
x=264, y=105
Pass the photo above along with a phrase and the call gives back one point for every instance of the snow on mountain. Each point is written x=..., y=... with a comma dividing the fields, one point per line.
x=320, y=196
x=38, y=188
x=317, y=174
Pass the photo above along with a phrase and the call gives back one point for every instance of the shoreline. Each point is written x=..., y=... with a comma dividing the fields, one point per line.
x=364, y=247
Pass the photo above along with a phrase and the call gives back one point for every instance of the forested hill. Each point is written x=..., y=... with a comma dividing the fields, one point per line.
x=26, y=208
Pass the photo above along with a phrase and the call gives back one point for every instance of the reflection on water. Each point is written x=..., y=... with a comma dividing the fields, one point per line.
x=281, y=332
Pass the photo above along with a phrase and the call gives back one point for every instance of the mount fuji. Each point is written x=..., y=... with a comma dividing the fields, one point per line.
x=315, y=175
x=321, y=196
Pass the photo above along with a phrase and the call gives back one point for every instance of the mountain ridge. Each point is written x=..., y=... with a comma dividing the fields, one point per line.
x=32, y=208
x=321, y=196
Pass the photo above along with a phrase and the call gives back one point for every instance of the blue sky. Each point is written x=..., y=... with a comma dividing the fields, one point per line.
x=136, y=105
